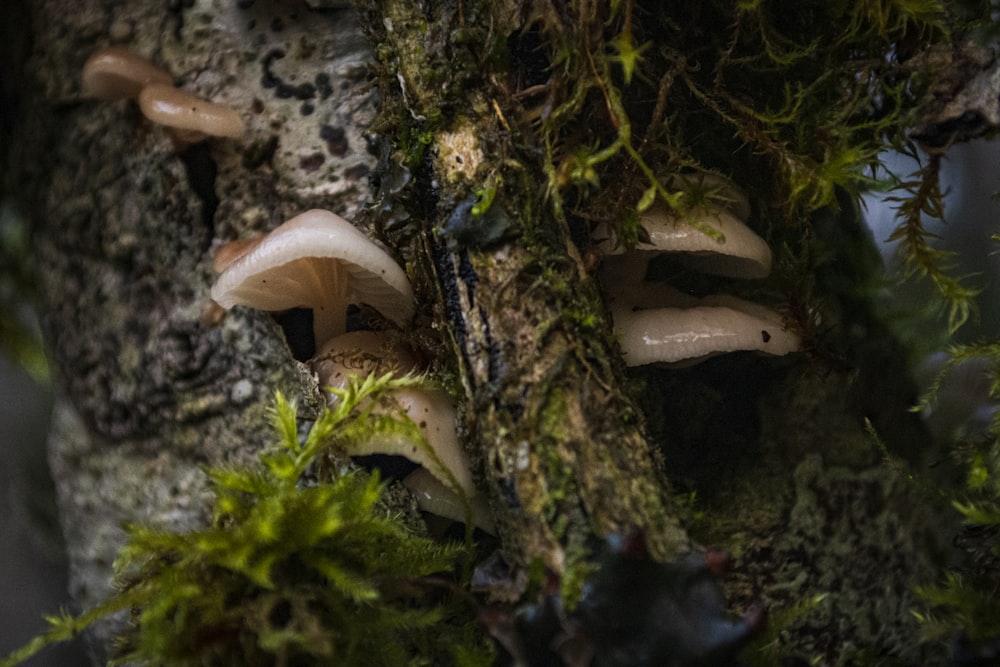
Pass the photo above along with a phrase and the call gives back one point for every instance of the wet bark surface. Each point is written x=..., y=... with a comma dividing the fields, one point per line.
x=154, y=383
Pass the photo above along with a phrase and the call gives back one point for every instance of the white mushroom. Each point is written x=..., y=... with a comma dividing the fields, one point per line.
x=320, y=261
x=189, y=117
x=432, y=410
x=115, y=73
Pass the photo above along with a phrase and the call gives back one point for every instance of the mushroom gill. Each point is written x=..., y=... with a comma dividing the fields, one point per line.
x=316, y=260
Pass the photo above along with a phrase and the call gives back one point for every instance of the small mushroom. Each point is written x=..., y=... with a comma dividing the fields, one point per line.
x=190, y=118
x=432, y=410
x=115, y=73
x=320, y=261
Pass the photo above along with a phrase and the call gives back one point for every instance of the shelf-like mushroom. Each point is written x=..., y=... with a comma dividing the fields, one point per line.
x=114, y=73
x=320, y=261
x=736, y=251
x=688, y=335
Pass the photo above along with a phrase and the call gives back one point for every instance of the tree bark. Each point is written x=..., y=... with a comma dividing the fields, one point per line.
x=154, y=386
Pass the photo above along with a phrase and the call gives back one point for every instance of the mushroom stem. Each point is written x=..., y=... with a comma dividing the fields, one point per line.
x=330, y=316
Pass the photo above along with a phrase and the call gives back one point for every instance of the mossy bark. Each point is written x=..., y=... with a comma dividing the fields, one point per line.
x=559, y=445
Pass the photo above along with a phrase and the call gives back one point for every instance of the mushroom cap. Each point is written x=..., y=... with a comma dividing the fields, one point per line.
x=360, y=353
x=432, y=410
x=193, y=117
x=740, y=254
x=688, y=334
x=115, y=73
x=320, y=261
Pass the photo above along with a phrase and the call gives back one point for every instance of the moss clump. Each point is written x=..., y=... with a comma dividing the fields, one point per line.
x=291, y=572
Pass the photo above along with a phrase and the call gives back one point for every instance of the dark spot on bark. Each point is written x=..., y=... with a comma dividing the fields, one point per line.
x=766, y=337
x=260, y=153
x=336, y=140
x=449, y=288
x=268, y=79
x=286, y=91
x=252, y=24
x=257, y=106
x=312, y=162
x=245, y=4
x=305, y=91
x=322, y=82
x=468, y=275
x=307, y=108
x=277, y=24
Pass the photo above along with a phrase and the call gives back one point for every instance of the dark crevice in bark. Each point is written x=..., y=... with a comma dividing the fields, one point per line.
x=201, y=173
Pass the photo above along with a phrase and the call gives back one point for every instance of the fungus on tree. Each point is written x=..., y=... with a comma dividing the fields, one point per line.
x=316, y=260
x=657, y=323
x=189, y=117
x=431, y=410
x=116, y=73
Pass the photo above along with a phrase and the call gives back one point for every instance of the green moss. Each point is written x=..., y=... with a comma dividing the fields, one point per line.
x=292, y=571
x=967, y=598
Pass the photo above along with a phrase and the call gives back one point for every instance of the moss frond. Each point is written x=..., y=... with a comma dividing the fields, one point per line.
x=923, y=199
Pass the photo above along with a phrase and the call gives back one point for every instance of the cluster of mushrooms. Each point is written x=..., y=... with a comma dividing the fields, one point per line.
x=656, y=323
x=318, y=260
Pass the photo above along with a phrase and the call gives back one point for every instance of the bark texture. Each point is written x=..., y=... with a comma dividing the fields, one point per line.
x=154, y=384
x=561, y=446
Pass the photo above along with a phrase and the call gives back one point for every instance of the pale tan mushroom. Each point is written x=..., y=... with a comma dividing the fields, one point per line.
x=188, y=116
x=737, y=252
x=692, y=334
x=115, y=73
x=320, y=261
x=361, y=353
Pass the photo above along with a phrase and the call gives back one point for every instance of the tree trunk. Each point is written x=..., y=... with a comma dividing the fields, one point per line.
x=155, y=384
